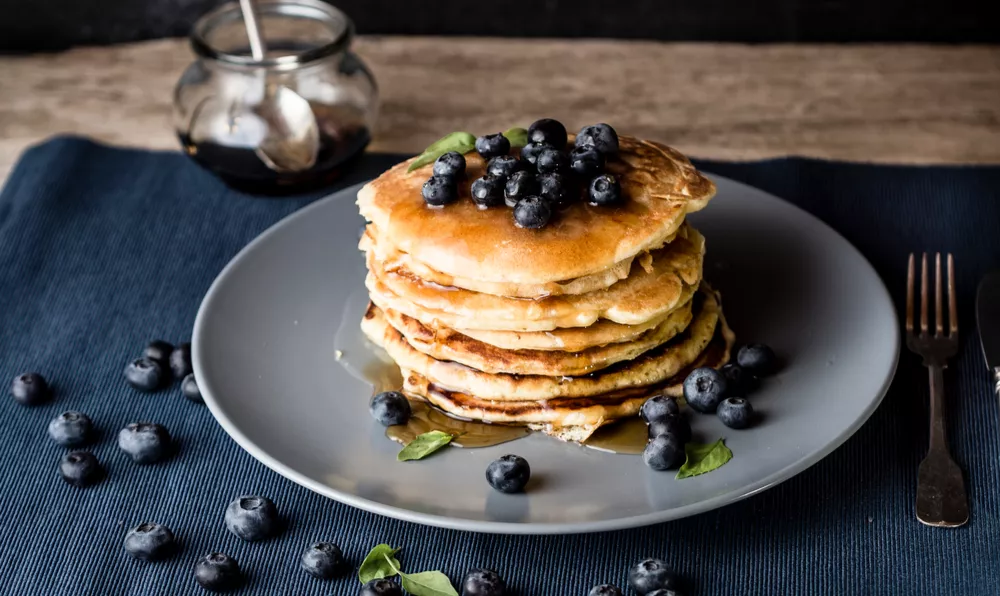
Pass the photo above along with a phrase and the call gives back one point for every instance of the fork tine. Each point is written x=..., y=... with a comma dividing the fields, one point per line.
x=938, y=302
x=923, y=294
x=910, y=270
x=952, y=309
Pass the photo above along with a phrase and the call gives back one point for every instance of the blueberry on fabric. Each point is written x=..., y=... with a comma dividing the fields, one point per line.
x=190, y=389
x=606, y=590
x=217, y=572
x=30, y=389
x=323, y=560
x=381, y=587
x=650, y=575
x=71, y=429
x=145, y=374
x=80, y=468
x=145, y=442
x=149, y=541
x=252, y=518
x=180, y=361
x=159, y=351
x=483, y=582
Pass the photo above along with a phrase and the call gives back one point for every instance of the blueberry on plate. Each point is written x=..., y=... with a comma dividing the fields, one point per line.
x=551, y=160
x=217, y=572
x=586, y=162
x=145, y=442
x=532, y=212
x=663, y=452
x=180, y=361
x=604, y=190
x=704, y=388
x=30, y=389
x=739, y=381
x=189, y=387
x=606, y=590
x=80, y=468
x=144, y=374
x=490, y=146
x=758, y=359
x=520, y=184
x=450, y=165
x=659, y=406
x=488, y=191
x=547, y=131
x=508, y=474
x=735, y=412
x=149, y=541
x=381, y=587
x=672, y=424
x=557, y=189
x=323, y=560
x=159, y=351
x=599, y=136
x=390, y=408
x=531, y=151
x=483, y=582
x=252, y=518
x=503, y=165
x=651, y=575
x=71, y=429
x=439, y=191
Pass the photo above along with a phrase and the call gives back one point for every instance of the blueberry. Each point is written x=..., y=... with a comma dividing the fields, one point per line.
x=504, y=165
x=557, y=189
x=80, y=468
x=149, y=541
x=606, y=590
x=439, y=191
x=599, y=136
x=180, y=361
x=508, y=474
x=252, y=518
x=758, y=359
x=323, y=560
x=30, y=389
x=663, y=452
x=450, y=165
x=604, y=190
x=531, y=151
x=71, y=429
x=381, y=587
x=704, y=388
x=532, y=212
x=552, y=160
x=390, y=408
x=483, y=582
x=490, y=146
x=519, y=185
x=146, y=442
x=217, y=572
x=735, y=412
x=671, y=424
x=739, y=381
x=159, y=352
x=659, y=406
x=547, y=131
x=651, y=575
x=144, y=374
x=586, y=162
x=488, y=191
x=189, y=387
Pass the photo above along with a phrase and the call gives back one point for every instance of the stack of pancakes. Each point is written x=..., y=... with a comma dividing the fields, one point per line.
x=563, y=328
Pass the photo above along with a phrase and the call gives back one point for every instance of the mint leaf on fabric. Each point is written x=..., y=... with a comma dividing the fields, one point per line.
x=704, y=458
x=427, y=583
x=380, y=562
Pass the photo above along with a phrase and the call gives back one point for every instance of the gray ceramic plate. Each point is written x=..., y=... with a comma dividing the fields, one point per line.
x=264, y=354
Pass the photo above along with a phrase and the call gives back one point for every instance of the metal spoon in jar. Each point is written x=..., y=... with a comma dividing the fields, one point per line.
x=291, y=142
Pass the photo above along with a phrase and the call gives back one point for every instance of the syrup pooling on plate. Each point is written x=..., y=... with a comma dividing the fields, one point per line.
x=468, y=434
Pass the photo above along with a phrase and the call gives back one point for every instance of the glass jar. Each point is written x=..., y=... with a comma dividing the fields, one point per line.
x=217, y=100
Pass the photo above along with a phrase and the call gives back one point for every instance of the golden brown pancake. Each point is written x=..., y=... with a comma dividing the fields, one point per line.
x=660, y=185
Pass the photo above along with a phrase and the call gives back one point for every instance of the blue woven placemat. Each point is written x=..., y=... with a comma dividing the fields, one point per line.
x=103, y=249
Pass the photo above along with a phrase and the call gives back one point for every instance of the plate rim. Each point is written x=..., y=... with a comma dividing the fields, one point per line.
x=521, y=528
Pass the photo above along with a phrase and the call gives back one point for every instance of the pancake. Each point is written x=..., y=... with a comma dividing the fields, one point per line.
x=642, y=296
x=659, y=184
x=651, y=367
x=453, y=346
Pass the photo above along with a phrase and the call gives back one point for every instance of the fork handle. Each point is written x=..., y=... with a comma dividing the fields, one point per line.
x=938, y=438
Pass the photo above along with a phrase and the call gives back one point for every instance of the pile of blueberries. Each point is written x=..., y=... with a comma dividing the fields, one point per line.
x=707, y=391
x=545, y=179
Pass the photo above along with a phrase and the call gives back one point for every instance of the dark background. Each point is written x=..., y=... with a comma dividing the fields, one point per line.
x=32, y=25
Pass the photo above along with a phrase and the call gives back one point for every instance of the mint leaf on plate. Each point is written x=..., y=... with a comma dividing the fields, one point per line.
x=461, y=142
x=424, y=445
x=380, y=562
x=427, y=583
x=517, y=136
x=704, y=458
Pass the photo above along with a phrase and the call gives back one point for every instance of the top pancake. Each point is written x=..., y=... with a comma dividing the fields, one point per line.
x=659, y=184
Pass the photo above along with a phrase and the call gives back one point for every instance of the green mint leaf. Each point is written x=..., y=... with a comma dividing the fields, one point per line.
x=704, y=458
x=427, y=583
x=424, y=445
x=462, y=142
x=518, y=137
x=380, y=562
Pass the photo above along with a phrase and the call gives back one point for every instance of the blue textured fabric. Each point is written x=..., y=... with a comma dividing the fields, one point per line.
x=103, y=249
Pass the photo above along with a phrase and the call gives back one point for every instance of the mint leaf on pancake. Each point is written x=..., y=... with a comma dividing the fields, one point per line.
x=461, y=142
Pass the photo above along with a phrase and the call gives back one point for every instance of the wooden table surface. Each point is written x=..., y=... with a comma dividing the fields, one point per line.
x=880, y=103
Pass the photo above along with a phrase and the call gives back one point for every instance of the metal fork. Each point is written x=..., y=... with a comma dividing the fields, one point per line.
x=941, y=497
